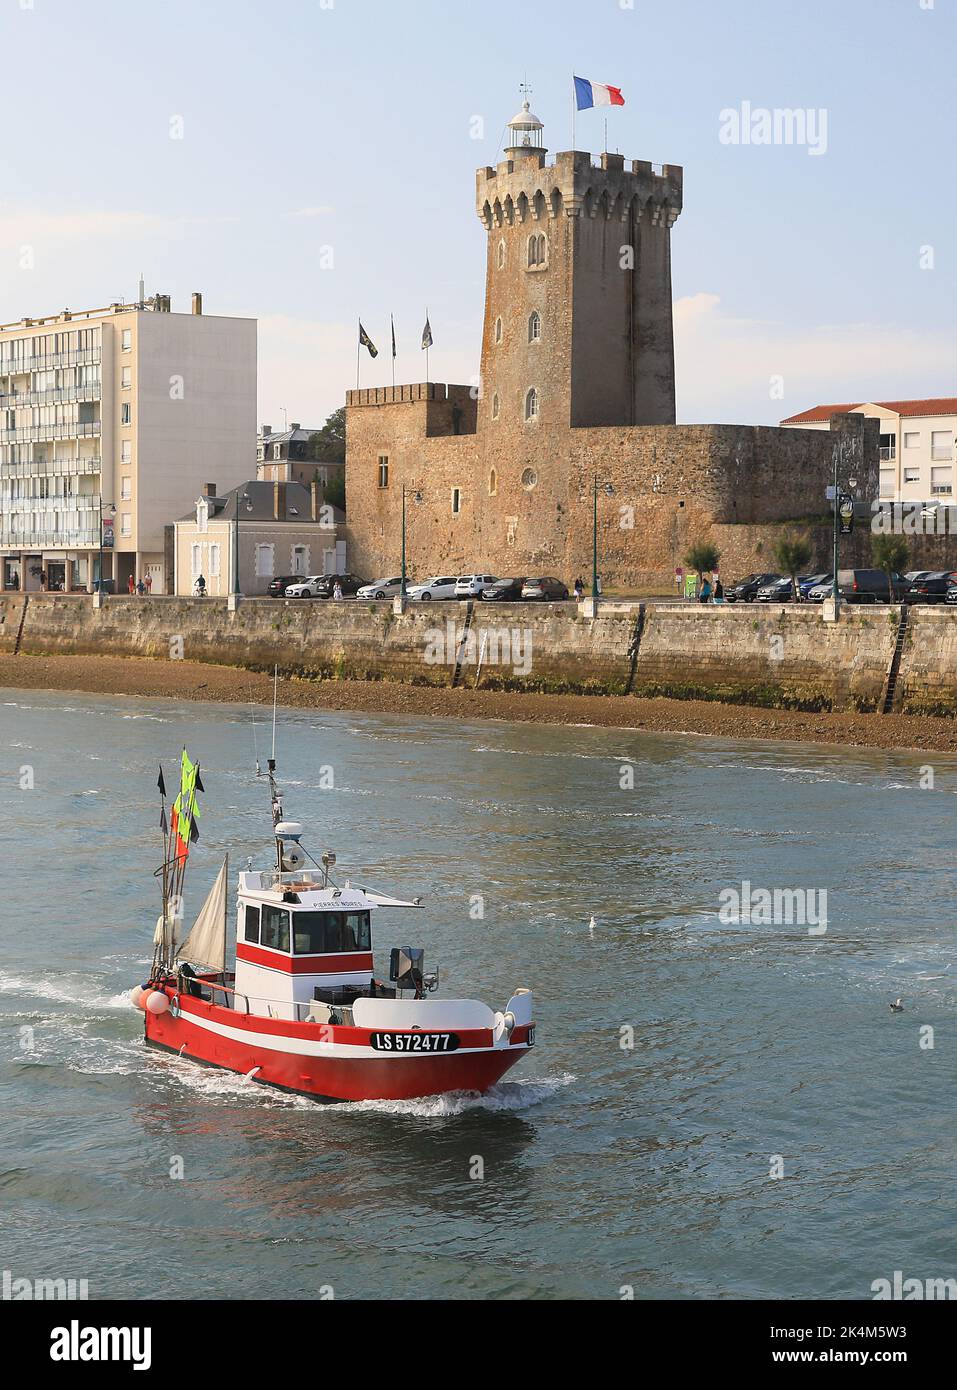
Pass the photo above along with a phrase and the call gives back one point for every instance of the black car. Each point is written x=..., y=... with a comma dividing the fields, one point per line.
x=279, y=585
x=931, y=587
x=951, y=595
x=746, y=590
x=348, y=583
x=504, y=589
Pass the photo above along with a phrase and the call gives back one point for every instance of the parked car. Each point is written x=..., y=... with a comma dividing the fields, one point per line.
x=811, y=581
x=931, y=587
x=863, y=586
x=545, y=590
x=778, y=591
x=321, y=586
x=746, y=590
x=381, y=588
x=471, y=585
x=951, y=595
x=440, y=586
x=504, y=589
x=279, y=585
x=912, y=575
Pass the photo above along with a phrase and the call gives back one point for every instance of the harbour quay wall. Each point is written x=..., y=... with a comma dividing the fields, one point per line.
x=776, y=656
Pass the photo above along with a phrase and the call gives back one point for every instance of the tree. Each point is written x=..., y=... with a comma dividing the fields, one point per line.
x=703, y=556
x=890, y=553
x=328, y=445
x=334, y=491
x=792, y=554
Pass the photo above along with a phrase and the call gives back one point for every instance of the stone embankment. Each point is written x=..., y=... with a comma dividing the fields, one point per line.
x=774, y=657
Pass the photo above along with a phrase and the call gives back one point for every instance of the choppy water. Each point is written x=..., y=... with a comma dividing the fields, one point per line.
x=603, y=1167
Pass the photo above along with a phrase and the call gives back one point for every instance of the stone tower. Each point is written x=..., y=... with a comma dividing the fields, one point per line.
x=578, y=322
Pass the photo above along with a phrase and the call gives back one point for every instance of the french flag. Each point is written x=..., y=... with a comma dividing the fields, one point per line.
x=589, y=94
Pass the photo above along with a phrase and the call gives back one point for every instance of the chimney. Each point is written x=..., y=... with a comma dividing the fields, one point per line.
x=279, y=501
x=266, y=430
x=209, y=489
x=197, y=302
x=296, y=426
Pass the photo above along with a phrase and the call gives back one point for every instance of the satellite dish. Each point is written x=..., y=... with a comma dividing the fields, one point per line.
x=293, y=858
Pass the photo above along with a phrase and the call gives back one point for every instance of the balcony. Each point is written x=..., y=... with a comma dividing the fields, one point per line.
x=51, y=468
x=80, y=539
x=888, y=452
x=89, y=391
x=16, y=366
x=34, y=434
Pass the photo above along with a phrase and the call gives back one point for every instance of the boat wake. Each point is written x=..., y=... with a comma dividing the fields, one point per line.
x=67, y=989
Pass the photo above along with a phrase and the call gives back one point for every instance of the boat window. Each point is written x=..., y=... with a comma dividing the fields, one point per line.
x=251, y=924
x=275, y=928
x=321, y=933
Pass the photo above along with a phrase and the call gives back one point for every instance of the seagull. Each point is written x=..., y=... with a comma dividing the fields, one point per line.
x=591, y=927
x=897, y=1007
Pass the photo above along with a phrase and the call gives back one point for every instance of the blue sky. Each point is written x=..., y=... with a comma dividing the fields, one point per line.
x=347, y=124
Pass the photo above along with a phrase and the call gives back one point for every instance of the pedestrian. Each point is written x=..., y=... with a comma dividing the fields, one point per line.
x=718, y=590
x=579, y=589
x=200, y=586
x=337, y=591
x=149, y=583
x=141, y=588
x=130, y=585
x=706, y=591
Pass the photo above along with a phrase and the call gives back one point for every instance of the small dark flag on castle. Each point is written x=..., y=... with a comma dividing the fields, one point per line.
x=392, y=321
x=366, y=342
x=426, y=335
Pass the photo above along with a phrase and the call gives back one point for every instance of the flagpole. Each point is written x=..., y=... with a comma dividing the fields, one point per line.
x=574, y=109
x=392, y=322
x=427, y=348
x=358, y=351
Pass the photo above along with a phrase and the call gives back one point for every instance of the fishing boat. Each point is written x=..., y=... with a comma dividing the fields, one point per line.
x=301, y=1008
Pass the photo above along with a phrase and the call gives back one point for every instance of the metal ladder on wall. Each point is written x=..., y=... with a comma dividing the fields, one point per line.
x=895, y=665
x=23, y=618
x=463, y=644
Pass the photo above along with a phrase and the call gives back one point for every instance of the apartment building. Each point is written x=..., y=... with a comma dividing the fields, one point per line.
x=917, y=444
x=109, y=421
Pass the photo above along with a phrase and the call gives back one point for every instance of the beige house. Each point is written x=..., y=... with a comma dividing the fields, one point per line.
x=109, y=421
x=917, y=444
x=287, y=457
x=283, y=529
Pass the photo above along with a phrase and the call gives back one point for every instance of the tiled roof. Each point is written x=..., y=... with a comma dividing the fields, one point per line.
x=262, y=496
x=934, y=405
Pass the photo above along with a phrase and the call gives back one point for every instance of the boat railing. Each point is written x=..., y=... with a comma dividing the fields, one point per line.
x=205, y=988
x=272, y=879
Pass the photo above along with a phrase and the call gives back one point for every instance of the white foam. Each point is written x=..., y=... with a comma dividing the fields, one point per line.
x=58, y=992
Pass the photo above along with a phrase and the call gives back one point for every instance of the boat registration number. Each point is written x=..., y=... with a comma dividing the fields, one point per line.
x=414, y=1042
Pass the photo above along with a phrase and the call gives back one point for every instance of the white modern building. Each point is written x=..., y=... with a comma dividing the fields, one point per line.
x=110, y=419
x=917, y=444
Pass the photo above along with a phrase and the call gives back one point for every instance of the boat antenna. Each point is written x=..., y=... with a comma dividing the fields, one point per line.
x=271, y=762
x=275, y=692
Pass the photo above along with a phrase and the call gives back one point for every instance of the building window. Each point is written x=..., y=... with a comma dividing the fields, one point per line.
x=127, y=378
x=496, y=406
x=498, y=330
x=264, y=562
x=537, y=250
x=277, y=451
x=531, y=404
x=941, y=482
x=501, y=255
x=529, y=479
x=126, y=524
x=942, y=444
x=126, y=489
x=887, y=484
x=196, y=560
x=888, y=446
x=912, y=440
x=126, y=451
x=214, y=561
x=911, y=475
x=493, y=483
x=456, y=500
x=261, y=453
x=535, y=327
x=126, y=413
x=383, y=470
x=127, y=339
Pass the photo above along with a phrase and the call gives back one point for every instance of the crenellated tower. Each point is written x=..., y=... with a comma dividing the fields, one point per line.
x=578, y=319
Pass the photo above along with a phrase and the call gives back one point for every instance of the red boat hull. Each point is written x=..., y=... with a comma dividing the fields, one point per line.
x=287, y=1055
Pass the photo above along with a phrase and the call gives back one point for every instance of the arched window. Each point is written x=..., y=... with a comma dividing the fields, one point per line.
x=537, y=250
x=531, y=404
x=535, y=327
x=492, y=483
x=496, y=406
x=501, y=255
x=498, y=330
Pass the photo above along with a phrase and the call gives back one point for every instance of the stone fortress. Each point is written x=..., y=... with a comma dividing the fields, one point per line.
x=577, y=386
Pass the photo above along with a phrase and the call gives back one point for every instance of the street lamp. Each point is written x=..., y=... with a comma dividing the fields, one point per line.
x=249, y=506
x=609, y=492
x=417, y=498
x=99, y=577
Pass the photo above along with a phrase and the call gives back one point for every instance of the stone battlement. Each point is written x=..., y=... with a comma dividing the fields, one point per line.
x=410, y=394
x=519, y=190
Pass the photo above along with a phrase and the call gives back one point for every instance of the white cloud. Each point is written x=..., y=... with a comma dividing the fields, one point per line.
x=725, y=364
